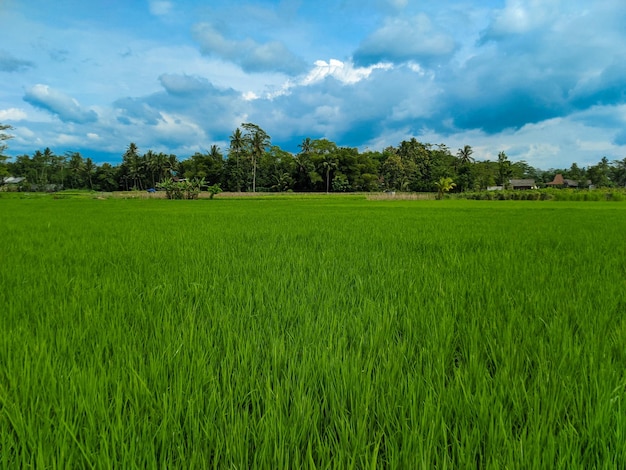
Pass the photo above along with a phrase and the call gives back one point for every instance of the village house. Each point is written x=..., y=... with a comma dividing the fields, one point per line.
x=560, y=182
x=12, y=183
x=522, y=184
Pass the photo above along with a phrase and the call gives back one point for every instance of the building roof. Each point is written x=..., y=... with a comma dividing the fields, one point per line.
x=522, y=182
x=13, y=180
x=558, y=180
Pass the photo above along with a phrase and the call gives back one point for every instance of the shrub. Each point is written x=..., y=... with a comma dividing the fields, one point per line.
x=181, y=189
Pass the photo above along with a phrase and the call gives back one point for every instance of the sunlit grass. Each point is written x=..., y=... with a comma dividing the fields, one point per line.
x=317, y=332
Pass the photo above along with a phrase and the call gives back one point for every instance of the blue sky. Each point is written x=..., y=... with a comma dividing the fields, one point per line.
x=542, y=80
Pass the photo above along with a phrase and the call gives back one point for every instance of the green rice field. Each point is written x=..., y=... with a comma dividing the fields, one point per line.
x=312, y=332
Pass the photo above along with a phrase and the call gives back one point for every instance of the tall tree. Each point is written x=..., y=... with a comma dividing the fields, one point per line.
x=393, y=173
x=257, y=141
x=152, y=166
x=134, y=165
x=504, y=169
x=89, y=169
x=604, y=175
x=617, y=172
x=106, y=177
x=3, y=138
x=75, y=167
x=324, y=156
x=234, y=177
x=304, y=169
x=329, y=163
x=417, y=164
x=171, y=165
x=306, y=147
x=465, y=155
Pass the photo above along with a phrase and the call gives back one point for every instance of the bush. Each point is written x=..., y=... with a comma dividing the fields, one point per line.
x=181, y=189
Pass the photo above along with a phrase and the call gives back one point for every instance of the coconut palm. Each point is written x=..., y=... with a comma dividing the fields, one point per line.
x=89, y=168
x=306, y=146
x=444, y=185
x=237, y=145
x=465, y=155
x=134, y=164
x=328, y=163
x=257, y=140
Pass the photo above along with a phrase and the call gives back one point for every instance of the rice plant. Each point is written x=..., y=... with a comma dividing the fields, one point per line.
x=312, y=333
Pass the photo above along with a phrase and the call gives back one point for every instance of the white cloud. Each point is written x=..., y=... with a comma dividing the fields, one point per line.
x=13, y=114
x=250, y=96
x=58, y=103
x=66, y=139
x=344, y=72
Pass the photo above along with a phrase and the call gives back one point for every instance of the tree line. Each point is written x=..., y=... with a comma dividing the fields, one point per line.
x=252, y=163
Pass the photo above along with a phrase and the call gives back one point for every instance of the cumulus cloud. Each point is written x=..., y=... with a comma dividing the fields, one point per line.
x=59, y=104
x=405, y=39
x=534, y=63
x=522, y=16
x=349, y=112
x=189, y=107
x=12, y=114
x=8, y=63
x=250, y=55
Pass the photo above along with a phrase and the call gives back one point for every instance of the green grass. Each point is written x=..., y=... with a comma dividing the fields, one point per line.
x=312, y=333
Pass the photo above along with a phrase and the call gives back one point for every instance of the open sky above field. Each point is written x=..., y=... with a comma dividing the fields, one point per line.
x=543, y=80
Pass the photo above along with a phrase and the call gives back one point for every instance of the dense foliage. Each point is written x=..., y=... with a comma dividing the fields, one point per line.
x=312, y=333
x=252, y=163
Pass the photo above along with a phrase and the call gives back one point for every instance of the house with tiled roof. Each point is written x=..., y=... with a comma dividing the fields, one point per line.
x=560, y=182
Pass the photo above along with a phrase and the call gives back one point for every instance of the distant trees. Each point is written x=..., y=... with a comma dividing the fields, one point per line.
x=3, y=146
x=252, y=163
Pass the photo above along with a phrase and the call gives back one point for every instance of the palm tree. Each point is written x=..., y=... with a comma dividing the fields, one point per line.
x=236, y=147
x=236, y=144
x=76, y=168
x=152, y=165
x=328, y=163
x=160, y=165
x=134, y=164
x=171, y=164
x=306, y=146
x=215, y=153
x=89, y=169
x=444, y=185
x=258, y=147
x=465, y=155
x=257, y=140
